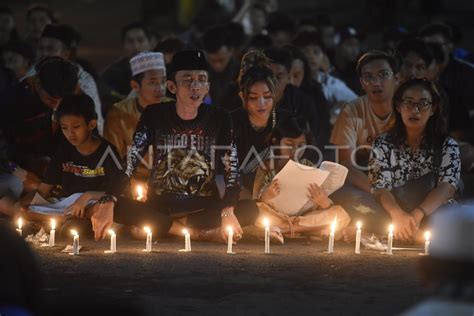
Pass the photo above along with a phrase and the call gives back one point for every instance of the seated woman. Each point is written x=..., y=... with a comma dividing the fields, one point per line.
x=255, y=120
x=290, y=137
x=415, y=167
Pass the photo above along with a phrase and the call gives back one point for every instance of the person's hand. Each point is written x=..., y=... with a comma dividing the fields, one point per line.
x=271, y=191
x=78, y=208
x=405, y=225
x=230, y=220
x=318, y=196
x=102, y=219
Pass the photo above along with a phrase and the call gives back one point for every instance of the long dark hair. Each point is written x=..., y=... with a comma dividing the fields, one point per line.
x=436, y=128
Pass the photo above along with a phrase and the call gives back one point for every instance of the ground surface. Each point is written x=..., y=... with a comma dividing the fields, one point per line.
x=298, y=278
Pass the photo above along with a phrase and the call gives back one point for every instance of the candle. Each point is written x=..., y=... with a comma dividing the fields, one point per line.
x=358, y=236
x=113, y=242
x=390, y=240
x=52, y=233
x=20, y=225
x=149, y=238
x=187, y=241
x=331, y=236
x=230, y=239
x=139, y=190
x=266, y=223
x=75, y=242
x=427, y=242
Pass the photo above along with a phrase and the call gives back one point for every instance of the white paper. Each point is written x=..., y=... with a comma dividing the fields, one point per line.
x=42, y=206
x=294, y=180
x=337, y=176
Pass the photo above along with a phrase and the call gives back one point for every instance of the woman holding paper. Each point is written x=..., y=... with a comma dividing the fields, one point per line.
x=415, y=167
x=289, y=139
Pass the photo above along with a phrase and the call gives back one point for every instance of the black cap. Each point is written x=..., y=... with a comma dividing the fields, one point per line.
x=65, y=33
x=189, y=60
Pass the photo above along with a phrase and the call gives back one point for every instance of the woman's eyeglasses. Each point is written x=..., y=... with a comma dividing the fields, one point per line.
x=421, y=106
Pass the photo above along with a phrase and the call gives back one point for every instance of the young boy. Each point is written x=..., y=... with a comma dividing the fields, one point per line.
x=85, y=163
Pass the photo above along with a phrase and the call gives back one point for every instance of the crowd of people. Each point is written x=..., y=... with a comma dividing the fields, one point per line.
x=195, y=119
x=205, y=119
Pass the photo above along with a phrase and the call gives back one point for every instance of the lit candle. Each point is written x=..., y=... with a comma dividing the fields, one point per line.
x=139, y=190
x=331, y=236
x=427, y=242
x=20, y=225
x=149, y=238
x=390, y=240
x=52, y=233
x=358, y=235
x=266, y=223
x=230, y=239
x=113, y=242
x=187, y=241
x=75, y=242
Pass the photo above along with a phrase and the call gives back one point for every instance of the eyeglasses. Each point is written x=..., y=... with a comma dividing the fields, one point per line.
x=381, y=76
x=190, y=83
x=421, y=106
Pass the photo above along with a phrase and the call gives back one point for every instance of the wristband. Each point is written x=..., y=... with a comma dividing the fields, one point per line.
x=107, y=198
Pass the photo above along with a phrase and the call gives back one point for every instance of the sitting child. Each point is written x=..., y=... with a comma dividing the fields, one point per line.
x=84, y=164
x=289, y=136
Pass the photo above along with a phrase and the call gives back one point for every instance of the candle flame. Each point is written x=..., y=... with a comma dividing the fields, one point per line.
x=427, y=235
x=111, y=232
x=139, y=190
x=229, y=229
x=333, y=225
x=74, y=232
x=20, y=223
x=390, y=228
x=147, y=229
x=266, y=222
x=53, y=223
x=359, y=225
x=185, y=231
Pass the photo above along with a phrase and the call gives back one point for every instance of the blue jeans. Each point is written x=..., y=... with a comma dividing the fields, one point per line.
x=362, y=206
x=10, y=186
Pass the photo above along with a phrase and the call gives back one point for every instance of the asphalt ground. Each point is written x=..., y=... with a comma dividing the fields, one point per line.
x=297, y=278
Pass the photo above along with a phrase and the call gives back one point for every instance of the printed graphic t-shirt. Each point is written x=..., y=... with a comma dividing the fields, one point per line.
x=77, y=173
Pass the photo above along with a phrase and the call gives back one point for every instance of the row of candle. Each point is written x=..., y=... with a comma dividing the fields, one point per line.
x=230, y=237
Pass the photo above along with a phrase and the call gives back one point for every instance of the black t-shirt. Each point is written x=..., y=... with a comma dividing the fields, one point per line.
x=185, y=159
x=250, y=142
x=77, y=173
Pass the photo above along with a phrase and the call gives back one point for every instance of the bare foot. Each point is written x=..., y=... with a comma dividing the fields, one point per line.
x=349, y=234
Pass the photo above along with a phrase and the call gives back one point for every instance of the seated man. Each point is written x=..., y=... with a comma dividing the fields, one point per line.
x=358, y=124
x=189, y=141
x=149, y=83
x=27, y=108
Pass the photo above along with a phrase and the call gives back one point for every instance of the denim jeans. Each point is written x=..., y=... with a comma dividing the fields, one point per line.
x=10, y=186
x=362, y=206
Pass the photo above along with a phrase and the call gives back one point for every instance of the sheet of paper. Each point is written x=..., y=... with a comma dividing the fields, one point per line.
x=337, y=176
x=44, y=207
x=294, y=180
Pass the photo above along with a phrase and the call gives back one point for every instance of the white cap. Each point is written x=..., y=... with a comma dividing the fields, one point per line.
x=147, y=61
x=453, y=233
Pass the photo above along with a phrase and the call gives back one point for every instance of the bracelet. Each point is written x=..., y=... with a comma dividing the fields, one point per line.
x=107, y=198
x=422, y=210
x=227, y=214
